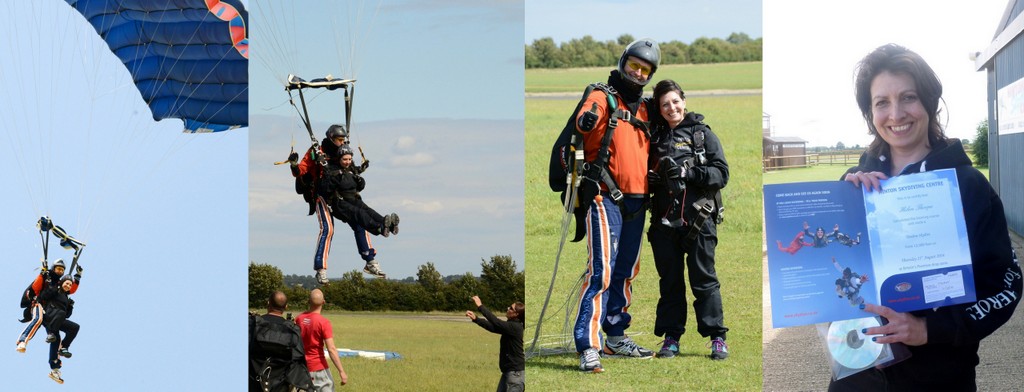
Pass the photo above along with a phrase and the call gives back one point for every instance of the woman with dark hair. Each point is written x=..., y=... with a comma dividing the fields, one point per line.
x=511, y=357
x=898, y=95
x=688, y=169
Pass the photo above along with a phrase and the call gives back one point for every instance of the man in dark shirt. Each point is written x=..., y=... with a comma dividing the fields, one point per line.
x=511, y=358
x=276, y=359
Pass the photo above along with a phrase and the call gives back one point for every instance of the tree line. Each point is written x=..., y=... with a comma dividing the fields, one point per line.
x=588, y=52
x=499, y=285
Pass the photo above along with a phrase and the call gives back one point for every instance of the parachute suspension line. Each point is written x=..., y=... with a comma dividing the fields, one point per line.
x=273, y=45
x=354, y=29
x=567, y=217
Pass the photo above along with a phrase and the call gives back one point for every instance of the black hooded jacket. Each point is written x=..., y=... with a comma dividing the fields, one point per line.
x=678, y=144
x=948, y=360
x=511, y=354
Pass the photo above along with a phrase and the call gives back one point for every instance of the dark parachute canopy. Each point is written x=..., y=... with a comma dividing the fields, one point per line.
x=188, y=58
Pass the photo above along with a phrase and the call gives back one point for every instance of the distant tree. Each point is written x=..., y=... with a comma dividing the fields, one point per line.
x=457, y=294
x=298, y=298
x=380, y=295
x=673, y=52
x=980, y=145
x=840, y=146
x=348, y=292
x=738, y=38
x=546, y=54
x=411, y=297
x=625, y=39
x=307, y=281
x=499, y=277
x=712, y=50
x=433, y=287
x=263, y=280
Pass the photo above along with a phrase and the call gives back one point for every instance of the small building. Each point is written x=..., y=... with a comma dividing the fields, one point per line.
x=781, y=152
x=1003, y=61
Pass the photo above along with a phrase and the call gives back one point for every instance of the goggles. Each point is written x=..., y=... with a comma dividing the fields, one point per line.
x=635, y=66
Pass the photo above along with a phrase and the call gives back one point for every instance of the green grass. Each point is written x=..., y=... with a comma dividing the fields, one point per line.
x=736, y=120
x=440, y=352
x=692, y=77
x=816, y=173
x=802, y=174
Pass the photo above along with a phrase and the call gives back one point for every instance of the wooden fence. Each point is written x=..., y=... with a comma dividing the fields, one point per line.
x=843, y=158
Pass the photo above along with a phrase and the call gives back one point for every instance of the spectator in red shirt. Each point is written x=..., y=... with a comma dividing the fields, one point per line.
x=316, y=333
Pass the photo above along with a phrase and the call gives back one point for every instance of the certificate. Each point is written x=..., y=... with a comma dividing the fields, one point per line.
x=833, y=246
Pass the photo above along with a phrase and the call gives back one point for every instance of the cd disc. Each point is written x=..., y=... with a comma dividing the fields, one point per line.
x=851, y=348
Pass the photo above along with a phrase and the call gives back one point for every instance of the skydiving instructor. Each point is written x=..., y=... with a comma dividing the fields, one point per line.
x=614, y=227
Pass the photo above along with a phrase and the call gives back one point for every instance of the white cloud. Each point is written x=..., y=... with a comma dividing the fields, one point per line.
x=426, y=207
x=417, y=159
x=405, y=143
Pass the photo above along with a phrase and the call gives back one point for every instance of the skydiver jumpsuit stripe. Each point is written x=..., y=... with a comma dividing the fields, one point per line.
x=323, y=241
x=33, y=324
x=613, y=245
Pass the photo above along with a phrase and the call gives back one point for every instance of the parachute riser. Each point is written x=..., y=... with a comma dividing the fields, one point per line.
x=74, y=261
x=309, y=128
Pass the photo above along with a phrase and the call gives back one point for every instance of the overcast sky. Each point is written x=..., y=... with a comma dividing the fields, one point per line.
x=812, y=47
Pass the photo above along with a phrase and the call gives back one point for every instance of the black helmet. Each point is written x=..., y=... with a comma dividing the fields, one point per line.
x=59, y=263
x=344, y=150
x=645, y=49
x=337, y=130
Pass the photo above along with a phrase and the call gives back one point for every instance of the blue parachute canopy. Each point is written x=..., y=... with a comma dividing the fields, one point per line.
x=188, y=58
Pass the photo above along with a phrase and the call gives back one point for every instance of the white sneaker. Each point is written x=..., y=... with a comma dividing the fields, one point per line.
x=21, y=347
x=627, y=348
x=373, y=268
x=590, y=361
x=321, y=276
x=55, y=375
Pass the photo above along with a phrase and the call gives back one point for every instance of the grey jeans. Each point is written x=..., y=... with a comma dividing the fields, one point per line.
x=322, y=381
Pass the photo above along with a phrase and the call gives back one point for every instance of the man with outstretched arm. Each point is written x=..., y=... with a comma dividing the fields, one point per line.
x=511, y=357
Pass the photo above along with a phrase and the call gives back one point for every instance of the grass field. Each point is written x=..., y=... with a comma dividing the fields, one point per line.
x=736, y=120
x=816, y=173
x=440, y=352
x=730, y=76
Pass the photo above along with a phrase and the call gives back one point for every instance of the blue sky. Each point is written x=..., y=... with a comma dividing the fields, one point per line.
x=663, y=20
x=438, y=110
x=808, y=78
x=163, y=214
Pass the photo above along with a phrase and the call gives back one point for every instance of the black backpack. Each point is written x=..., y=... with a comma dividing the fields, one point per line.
x=569, y=140
x=273, y=339
x=276, y=365
x=27, y=297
